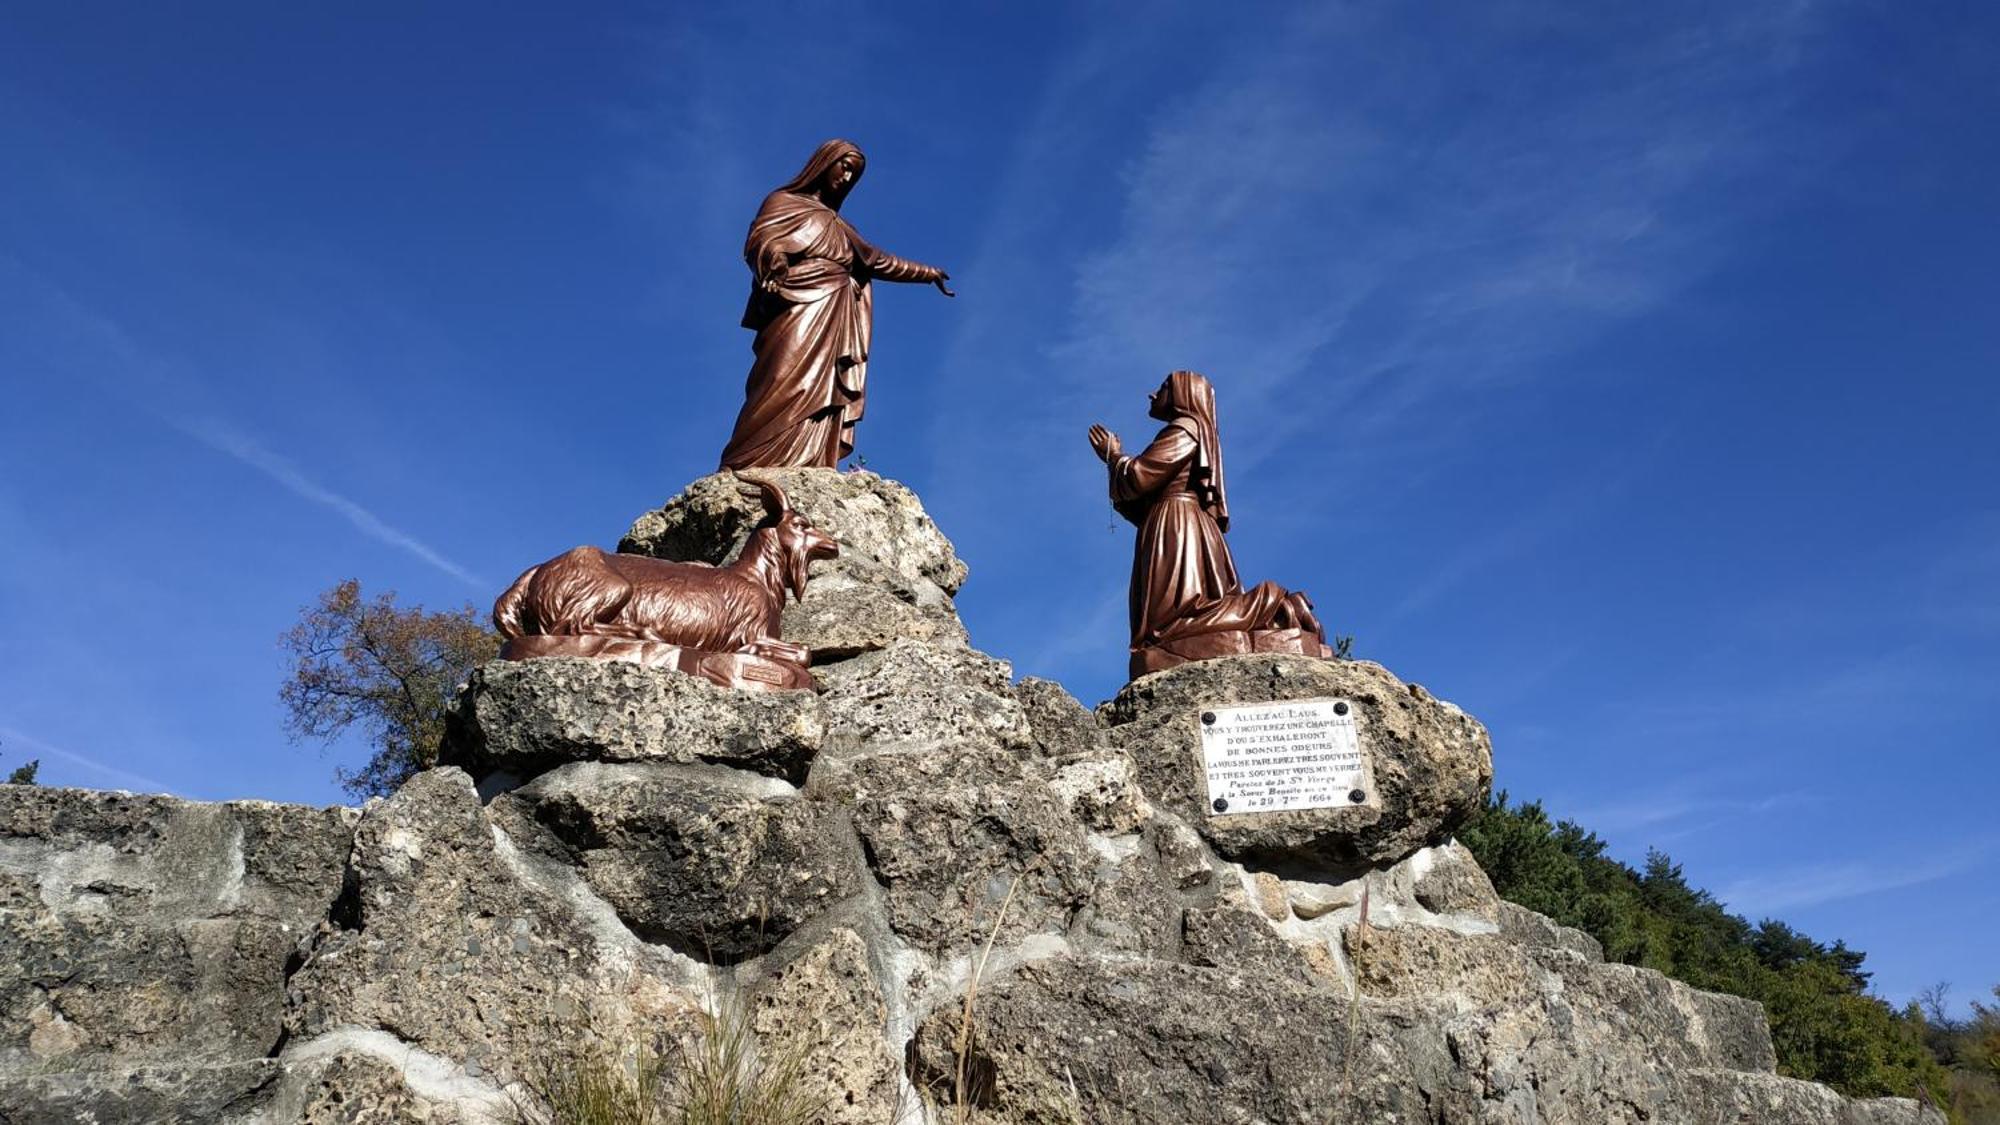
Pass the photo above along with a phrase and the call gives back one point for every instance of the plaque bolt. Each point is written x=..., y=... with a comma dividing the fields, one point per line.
x=1221, y=805
x=1340, y=708
x=1357, y=796
x=1208, y=718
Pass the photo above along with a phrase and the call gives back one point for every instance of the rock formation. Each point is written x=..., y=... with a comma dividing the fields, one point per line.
x=613, y=850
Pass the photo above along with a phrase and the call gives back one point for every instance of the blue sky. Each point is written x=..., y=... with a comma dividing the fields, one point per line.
x=1623, y=373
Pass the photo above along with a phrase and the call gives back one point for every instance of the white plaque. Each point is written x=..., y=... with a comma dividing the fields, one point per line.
x=1292, y=754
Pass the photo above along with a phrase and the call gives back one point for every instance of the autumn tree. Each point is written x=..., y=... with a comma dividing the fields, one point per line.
x=387, y=670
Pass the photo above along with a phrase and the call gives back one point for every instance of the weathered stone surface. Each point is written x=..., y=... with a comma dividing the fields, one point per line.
x=1449, y=881
x=1432, y=762
x=1309, y=900
x=1113, y=1041
x=366, y=1076
x=1523, y=926
x=1134, y=907
x=522, y=717
x=1226, y=937
x=1183, y=856
x=161, y=1093
x=1146, y=1041
x=143, y=945
x=1405, y=961
x=1727, y=1097
x=825, y=1008
x=918, y=695
x=1062, y=727
x=1102, y=792
x=1634, y=1009
x=949, y=832
x=718, y=864
x=871, y=518
x=456, y=943
x=858, y=605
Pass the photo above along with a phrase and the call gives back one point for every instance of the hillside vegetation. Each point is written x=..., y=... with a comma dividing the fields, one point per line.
x=1824, y=1023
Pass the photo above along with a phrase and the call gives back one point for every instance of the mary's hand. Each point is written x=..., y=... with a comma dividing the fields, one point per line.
x=943, y=277
x=773, y=281
x=1105, y=443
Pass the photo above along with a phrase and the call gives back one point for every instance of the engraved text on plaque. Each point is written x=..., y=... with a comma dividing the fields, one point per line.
x=1294, y=754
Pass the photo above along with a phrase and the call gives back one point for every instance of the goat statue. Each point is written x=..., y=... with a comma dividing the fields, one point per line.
x=717, y=622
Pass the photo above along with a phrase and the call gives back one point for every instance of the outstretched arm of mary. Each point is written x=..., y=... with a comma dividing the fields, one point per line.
x=888, y=267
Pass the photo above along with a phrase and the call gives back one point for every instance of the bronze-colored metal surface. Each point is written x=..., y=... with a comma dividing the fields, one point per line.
x=720, y=623
x=1186, y=601
x=812, y=307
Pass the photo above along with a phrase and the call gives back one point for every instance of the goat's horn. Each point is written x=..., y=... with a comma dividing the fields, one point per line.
x=774, y=496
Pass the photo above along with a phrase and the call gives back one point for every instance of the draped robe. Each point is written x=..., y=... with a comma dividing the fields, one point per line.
x=808, y=382
x=1183, y=579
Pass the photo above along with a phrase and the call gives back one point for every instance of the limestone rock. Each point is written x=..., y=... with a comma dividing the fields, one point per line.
x=950, y=832
x=1103, y=793
x=157, y=1093
x=918, y=695
x=1061, y=726
x=1183, y=856
x=718, y=864
x=871, y=517
x=522, y=717
x=1119, y=1041
x=1524, y=926
x=858, y=605
x=455, y=943
x=825, y=1009
x=1134, y=907
x=143, y=947
x=1432, y=762
x=1226, y=937
x=849, y=870
x=1449, y=881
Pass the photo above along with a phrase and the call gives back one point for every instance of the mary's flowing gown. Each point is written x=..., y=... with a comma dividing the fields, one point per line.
x=808, y=384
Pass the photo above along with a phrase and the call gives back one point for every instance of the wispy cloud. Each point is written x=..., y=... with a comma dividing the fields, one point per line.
x=148, y=383
x=1338, y=237
x=225, y=439
x=1768, y=893
x=1661, y=809
x=1367, y=258
x=27, y=746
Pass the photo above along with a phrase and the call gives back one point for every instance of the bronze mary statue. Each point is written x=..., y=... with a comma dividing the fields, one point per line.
x=1186, y=601
x=811, y=306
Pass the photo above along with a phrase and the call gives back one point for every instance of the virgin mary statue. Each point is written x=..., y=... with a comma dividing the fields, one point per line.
x=811, y=305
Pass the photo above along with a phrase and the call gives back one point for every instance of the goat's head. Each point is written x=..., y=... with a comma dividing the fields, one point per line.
x=799, y=542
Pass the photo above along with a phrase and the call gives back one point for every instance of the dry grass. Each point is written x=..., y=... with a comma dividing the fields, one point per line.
x=962, y=1106
x=716, y=1077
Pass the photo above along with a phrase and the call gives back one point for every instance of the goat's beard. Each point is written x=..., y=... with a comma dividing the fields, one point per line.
x=797, y=575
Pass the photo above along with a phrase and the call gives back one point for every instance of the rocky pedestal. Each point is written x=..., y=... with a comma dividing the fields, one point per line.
x=613, y=853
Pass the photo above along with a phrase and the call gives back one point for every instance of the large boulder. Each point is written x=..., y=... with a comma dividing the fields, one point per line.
x=521, y=717
x=1432, y=763
x=871, y=517
x=718, y=864
x=968, y=845
x=144, y=945
x=894, y=578
x=483, y=960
